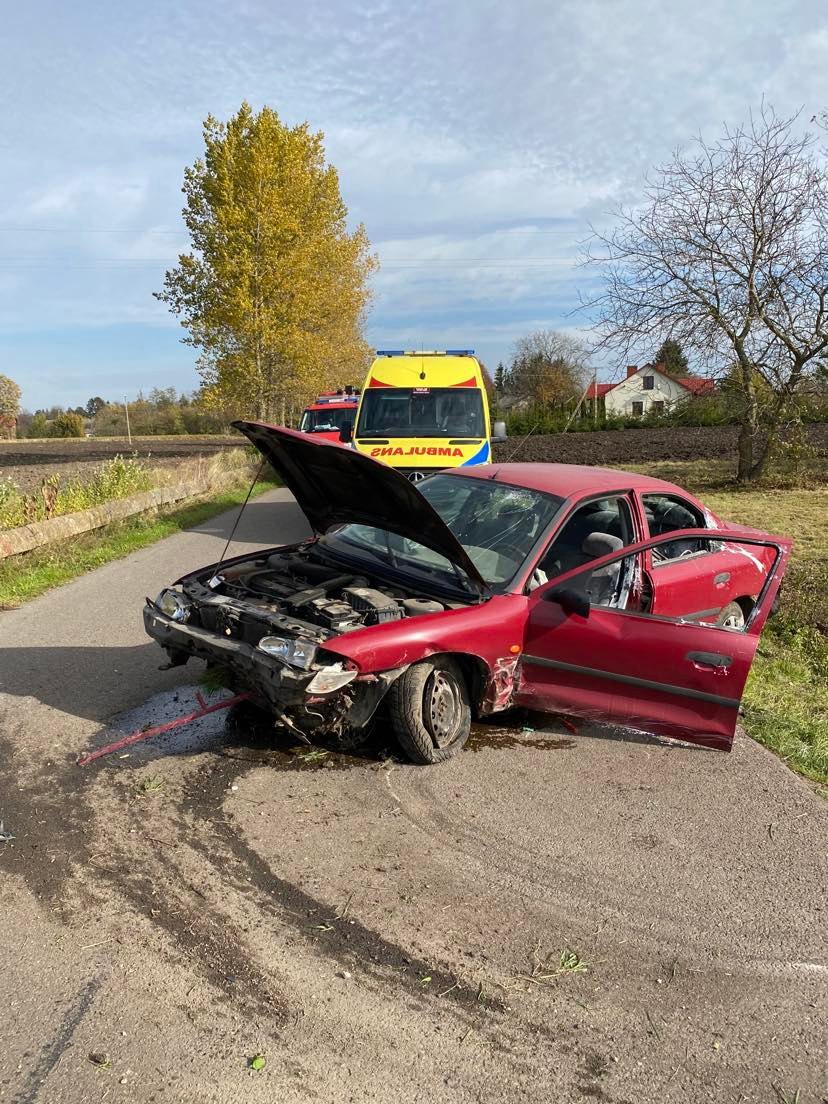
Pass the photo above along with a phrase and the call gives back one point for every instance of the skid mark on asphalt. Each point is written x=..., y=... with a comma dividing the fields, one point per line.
x=52, y=1051
x=349, y=941
x=239, y=743
x=575, y=898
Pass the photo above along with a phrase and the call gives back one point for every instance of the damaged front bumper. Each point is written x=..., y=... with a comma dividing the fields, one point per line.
x=277, y=684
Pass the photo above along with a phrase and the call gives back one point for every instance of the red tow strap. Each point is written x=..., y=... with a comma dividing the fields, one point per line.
x=148, y=733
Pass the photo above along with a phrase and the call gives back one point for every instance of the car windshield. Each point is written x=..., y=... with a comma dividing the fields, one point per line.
x=496, y=523
x=321, y=421
x=422, y=412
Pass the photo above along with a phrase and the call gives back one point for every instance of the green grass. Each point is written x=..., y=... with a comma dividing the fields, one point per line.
x=25, y=577
x=786, y=698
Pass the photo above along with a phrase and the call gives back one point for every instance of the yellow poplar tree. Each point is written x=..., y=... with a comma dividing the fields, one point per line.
x=275, y=290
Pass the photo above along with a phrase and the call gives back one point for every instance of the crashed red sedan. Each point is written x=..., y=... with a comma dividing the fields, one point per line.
x=579, y=590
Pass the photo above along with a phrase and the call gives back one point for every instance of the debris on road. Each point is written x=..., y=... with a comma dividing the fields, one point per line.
x=147, y=733
x=152, y=784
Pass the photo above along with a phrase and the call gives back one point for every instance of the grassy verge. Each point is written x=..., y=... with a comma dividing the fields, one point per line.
x=112, y=479
x=785, y=701
x=27, y=576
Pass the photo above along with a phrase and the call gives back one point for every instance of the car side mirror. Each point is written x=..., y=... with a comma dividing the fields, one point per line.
x=569, y=599
x=346, y=432
x=499, y=431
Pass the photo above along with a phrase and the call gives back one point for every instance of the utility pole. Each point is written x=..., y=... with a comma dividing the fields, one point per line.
x=595, y=397
x=126, y=411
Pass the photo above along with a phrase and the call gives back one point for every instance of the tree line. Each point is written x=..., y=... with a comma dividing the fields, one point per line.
x=725, y=261
x=162, y=411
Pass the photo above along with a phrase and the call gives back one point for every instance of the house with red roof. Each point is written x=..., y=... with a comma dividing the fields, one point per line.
x=647, y=390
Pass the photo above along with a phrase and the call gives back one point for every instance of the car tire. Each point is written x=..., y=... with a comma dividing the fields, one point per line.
x=430, y=710
x=731, y=616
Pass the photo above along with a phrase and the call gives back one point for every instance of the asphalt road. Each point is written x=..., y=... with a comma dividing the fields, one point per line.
x=378, y=931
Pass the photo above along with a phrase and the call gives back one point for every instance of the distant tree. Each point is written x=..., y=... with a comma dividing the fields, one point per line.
x=67, y=424
x=9, y=396
x=729, y=253
x=39, y=425
x=275, y=289
x=500, y=378
x=549, y=368
x=94, y=406
x=9, y=406
x=671, y=356
x=167, y=396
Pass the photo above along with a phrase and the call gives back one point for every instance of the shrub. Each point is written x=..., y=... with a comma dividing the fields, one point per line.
x=67, y=425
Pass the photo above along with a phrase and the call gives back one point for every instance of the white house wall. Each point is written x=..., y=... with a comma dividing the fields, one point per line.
x=620, y=400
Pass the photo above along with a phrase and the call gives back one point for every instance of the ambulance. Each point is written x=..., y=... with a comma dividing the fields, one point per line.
x=423, y=411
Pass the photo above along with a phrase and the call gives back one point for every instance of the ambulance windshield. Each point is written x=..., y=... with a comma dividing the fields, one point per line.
x=421, y=412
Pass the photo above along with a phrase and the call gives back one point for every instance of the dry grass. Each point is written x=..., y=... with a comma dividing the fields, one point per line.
x=801, y=514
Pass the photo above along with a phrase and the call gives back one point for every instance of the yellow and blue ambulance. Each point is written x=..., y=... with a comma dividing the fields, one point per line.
x=422, y=411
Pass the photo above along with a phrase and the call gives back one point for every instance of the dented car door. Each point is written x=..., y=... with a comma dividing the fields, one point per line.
x=590, y=650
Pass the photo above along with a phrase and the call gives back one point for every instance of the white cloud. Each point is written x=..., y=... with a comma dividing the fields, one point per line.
x=464, y=133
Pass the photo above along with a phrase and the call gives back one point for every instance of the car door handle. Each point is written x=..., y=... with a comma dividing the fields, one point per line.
x=710, y=659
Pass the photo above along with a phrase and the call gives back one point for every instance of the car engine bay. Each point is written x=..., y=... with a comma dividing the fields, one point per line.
x=294, y=593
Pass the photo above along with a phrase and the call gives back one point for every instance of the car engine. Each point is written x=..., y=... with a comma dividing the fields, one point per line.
x=291, y=591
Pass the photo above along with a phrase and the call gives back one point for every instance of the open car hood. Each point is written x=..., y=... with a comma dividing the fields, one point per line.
x=335, y=485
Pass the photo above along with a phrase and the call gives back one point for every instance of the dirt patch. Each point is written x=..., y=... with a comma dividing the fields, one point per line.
x=634, y=446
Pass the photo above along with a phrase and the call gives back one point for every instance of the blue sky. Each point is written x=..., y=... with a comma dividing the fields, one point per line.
x=476, y=140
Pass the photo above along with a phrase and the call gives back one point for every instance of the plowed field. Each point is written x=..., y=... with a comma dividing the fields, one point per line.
x=27, y=462
x=634, y=446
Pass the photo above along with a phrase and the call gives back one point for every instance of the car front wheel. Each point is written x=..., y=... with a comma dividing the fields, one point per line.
x=430, y=710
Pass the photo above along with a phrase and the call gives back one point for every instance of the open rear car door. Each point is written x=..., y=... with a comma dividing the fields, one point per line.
x=592, y=649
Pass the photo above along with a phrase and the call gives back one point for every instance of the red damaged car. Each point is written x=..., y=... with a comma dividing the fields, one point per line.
x=580, y=590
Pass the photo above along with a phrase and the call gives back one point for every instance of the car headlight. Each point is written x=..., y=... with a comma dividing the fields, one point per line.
x=175, y=605
x=296, y=651
x=329, y=679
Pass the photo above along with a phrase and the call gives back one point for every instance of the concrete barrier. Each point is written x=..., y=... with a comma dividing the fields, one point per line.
x=27, y=537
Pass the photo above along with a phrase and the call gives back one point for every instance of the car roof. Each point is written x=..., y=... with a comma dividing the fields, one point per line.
x=569, y=480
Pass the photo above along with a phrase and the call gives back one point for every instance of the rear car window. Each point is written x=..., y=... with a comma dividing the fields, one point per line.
x=668, y=513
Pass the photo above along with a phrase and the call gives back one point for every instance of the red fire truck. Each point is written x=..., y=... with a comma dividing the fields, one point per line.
x=332, y=410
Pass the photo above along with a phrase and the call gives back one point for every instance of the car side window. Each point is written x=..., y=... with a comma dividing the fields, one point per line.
x=617, y=586
x=598, y=528
x=667, y=513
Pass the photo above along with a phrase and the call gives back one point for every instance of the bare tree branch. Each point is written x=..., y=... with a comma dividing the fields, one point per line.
x=728, y=254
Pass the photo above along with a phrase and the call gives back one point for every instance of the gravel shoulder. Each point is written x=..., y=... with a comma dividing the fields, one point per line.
x=380, y=931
